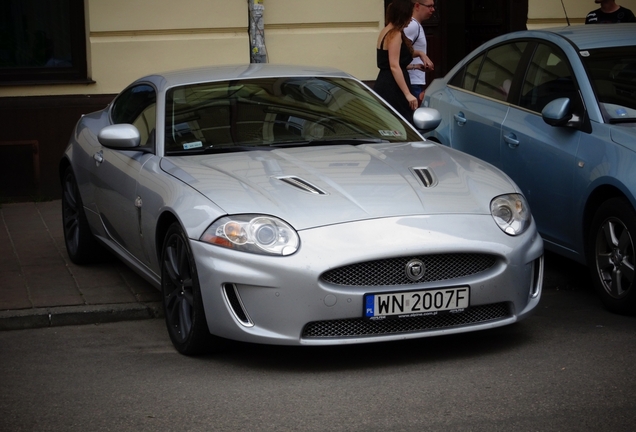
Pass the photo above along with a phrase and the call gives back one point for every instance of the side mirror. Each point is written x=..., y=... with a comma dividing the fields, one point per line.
x=119, y=137
x=557, y=112
x=426, y=119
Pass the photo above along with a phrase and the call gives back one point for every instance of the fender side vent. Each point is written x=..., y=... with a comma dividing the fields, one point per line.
x=537, y=277
x=236, y=305
x=301, y=184
x=425, y=176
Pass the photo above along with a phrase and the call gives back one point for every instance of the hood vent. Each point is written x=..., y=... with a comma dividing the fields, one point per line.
x=301, y=184
x=425, y=176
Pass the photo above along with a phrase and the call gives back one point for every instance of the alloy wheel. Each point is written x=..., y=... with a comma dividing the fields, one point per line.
x=615, y=257
x=70, y=213
x=178, y=288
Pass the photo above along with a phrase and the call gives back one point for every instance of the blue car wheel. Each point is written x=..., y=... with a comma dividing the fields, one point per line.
x=612, y=246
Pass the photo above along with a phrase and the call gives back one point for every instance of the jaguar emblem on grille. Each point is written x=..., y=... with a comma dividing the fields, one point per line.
x=415, y=270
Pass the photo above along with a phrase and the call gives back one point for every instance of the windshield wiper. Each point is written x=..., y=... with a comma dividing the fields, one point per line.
x=268, y=147
x=233, y=149
x=330, y=141
x=622, y=120
x=216, y=150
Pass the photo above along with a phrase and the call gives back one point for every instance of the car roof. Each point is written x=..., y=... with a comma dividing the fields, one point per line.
x=590, y=36
x=221, y=73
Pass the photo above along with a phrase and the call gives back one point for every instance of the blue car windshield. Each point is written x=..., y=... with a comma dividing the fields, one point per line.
x=260, y=113
x=613, y=75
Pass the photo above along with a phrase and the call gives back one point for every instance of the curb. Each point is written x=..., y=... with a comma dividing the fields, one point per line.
x=77, y=315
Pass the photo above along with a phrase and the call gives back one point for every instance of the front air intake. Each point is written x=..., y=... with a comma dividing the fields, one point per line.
x=390, y=271
x=362, y=327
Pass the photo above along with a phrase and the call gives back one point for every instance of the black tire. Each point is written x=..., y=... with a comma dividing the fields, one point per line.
x=81, y=244
x=611, y=255
x=182, y=302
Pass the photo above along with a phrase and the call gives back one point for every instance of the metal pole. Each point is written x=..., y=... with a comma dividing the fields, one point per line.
x=258, y=52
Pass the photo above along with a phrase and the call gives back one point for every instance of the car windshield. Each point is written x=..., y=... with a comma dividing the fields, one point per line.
x=261, y=113
x=613, y=75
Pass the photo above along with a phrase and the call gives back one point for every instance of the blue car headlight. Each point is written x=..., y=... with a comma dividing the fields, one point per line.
x=253, y=233
x=511, y=213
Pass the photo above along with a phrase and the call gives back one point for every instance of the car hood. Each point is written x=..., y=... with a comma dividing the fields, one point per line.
x=314, y=186
x=624, y=134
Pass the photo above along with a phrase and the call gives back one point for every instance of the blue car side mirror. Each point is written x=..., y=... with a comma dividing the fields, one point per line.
x=557, y=112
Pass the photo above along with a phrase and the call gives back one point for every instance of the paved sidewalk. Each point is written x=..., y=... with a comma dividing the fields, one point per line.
x=40, y=286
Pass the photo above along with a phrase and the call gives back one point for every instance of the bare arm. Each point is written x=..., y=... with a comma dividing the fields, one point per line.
x=428, y=64
x=394, y=44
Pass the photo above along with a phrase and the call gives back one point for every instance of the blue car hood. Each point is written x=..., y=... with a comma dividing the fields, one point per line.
x=316, y=186
x=624, y=135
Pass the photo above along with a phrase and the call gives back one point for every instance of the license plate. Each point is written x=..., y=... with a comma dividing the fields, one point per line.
x=414, y=303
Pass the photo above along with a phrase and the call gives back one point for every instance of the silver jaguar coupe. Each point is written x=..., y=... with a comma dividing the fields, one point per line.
x=290, y=205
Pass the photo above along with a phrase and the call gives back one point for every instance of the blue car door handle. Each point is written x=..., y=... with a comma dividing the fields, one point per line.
x=511, y=139
x=460, y=118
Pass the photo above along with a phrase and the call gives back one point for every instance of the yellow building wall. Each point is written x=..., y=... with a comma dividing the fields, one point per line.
x=336, y=33
x=549, y=13
x=133, y=38
x=127, y=39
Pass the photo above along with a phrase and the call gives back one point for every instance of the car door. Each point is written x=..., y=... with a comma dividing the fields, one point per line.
x=115, y=172
x=480, y=92
x=541, y=158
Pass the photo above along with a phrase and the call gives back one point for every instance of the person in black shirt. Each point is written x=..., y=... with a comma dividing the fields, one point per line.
x=608, y=13
x=394, y=55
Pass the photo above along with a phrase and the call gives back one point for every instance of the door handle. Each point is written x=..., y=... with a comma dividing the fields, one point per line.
x=99, y=158
x=460, y=119
x=512, y=140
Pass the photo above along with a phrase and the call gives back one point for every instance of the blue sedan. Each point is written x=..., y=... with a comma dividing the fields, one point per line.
x=556, y=110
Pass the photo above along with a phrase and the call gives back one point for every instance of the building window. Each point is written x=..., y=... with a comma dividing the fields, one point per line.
x=42, y=41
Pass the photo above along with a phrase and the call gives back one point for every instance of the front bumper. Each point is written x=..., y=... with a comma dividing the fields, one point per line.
x=265, y=299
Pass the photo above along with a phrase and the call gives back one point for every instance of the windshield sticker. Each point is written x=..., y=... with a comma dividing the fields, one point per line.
x=621, y=112
x=392, y=133
x=191, y=145
x=584, y=53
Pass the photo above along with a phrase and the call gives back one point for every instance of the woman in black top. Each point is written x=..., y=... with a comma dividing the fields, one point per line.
x=394, y=55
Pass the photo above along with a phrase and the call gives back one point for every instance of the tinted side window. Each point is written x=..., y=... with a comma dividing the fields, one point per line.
x=472, y=70
x=136, y=106
x=548, y=78
x=465, y=78
x=613, y=75
x=458, y=78
x=498, y=70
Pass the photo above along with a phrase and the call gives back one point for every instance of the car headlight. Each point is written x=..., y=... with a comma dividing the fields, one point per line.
x=253, y=233
x=512, y=213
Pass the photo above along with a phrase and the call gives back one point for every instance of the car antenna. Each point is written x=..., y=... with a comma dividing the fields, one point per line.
x=566, y=13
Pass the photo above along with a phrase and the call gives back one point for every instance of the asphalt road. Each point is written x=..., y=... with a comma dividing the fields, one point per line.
x=571, y=366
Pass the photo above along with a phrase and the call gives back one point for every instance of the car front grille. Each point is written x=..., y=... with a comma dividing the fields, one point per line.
x=358, y=327
x=392, y=271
